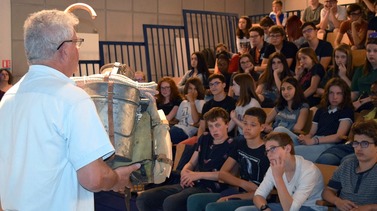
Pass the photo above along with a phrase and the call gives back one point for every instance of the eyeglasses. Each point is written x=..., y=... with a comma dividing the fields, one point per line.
x=78, y=42
x=363, y=144
x=355, y=13
x=272, y=149
x=214, y=83
x=275, y=35
x=309, y=30
x=165, y=87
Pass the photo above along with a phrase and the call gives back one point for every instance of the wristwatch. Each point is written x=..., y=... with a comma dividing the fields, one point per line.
x=264, y=207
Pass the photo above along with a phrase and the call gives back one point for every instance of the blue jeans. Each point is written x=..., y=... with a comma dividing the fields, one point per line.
x=177, y=135
x=273, y=207
x=335, y=154
x=291, y=134
x=168, y=198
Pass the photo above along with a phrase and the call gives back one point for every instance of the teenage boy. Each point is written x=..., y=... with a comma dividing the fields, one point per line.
x=355, y=27
x=220, y=99
x=278, y=43
x=249, y=157
x=277, y=15
x=353, y=185
x=200, y=174
x=256, y=34
x=312, y=12
x=322, y=48
x=332, y=16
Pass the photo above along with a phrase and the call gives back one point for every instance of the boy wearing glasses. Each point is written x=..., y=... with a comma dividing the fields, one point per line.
x=298, y=181
x=355, y=27
x=355, y=179
x=278, y=43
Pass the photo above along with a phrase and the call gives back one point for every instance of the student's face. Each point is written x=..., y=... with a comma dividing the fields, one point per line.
x=275, y=152
x=251, y=127
x=276, y=64
x=305, y=61
x=335, y=96
x=373, y=94
x=313, y=2
x=236, y=88
x=192, y=89
x=287, y=91
x=223, y=65
x=165, y=89
x=276, y=8
x=255, y=38
x=220, y=49
x=309, y=33
x=216, y=86
x=354, y=16
x=365, y=154
x=242, y=24
x=4, y=76
x=372, y=54
x=330, y=3
x=245, y=63
x=218, y=129
x=194, y=61
x=340, y=58
x=276, y=39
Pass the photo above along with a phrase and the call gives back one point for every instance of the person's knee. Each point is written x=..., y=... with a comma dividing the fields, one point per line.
x=328, y=159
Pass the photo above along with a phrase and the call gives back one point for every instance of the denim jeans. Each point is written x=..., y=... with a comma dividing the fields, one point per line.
x=177, y=135
x=273, y=207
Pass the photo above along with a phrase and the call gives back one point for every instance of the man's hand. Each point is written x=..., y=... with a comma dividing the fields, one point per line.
x=345, y=205
x=124, y=177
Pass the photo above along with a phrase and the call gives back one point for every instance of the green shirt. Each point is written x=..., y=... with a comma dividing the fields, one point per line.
x=361, y=83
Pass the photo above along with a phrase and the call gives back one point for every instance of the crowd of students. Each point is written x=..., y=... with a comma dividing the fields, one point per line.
x=241, y=152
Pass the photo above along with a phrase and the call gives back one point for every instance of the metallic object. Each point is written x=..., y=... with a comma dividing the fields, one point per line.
x=82, y=6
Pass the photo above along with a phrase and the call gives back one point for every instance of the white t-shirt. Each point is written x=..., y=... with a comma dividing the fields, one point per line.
x=341, y=15
x=305, y=187
x=185, y=118
x=49, y=129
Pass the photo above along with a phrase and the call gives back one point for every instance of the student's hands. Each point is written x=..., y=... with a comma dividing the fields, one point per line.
x=306, y=140
x=277, y=167
x=342, y=70
x=299, y=70
x=250, y=68
x=191, y=96
x=268, y=128
x=233, y=115
x=345, y=205
x=187, y=178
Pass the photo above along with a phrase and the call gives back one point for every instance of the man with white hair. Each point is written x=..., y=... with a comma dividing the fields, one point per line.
x=52, y=141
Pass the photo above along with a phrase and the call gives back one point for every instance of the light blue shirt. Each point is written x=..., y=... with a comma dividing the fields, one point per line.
x=49, y=129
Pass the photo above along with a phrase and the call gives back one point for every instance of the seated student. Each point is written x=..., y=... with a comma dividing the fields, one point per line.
x=242, y=33
x=198, y=69
x=293, y=29
x=243, y=87
x=291, y=111
x=332, y=16
x=277, y=15
x=309, y=72
x=331, y=122
x=298, y=181
x=246, y=66
x=249, y=158
x=189, y=111
x=168, y=98
x=140, y=77
x=279, y=44
x=353, y=185
x=355, y=27
x=270, y=81
x=365, y=76
x=223, y=62
x=342, y=67
x=234, y=58
x=259, y=46
x=312, y=12
x=335, y=155
x=322, y=48
x=266, y=23
x=200, y=174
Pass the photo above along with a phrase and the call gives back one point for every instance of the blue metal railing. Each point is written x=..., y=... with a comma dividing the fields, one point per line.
x=209, y=28
x=257, y=18
x=88, y=67
x=165, y=51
